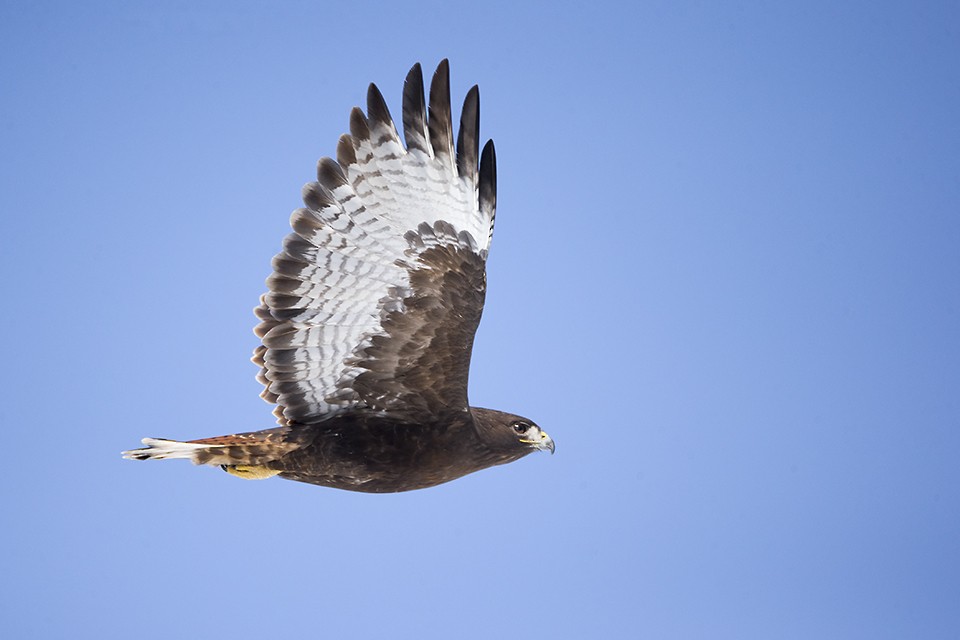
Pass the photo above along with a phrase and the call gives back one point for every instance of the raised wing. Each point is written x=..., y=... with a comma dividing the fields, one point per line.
x=376, y=296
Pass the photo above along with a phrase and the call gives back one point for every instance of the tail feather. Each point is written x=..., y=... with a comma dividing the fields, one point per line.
x=161, y=449
x=254, y=448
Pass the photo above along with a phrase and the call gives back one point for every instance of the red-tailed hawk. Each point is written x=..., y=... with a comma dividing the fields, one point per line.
x=373, y=303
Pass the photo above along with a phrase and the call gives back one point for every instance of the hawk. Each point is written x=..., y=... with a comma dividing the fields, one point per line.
x=368, y=322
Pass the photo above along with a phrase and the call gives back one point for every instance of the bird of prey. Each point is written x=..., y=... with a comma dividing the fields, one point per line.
x=368, y=322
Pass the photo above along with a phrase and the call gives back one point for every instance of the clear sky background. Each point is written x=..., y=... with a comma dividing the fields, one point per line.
x=726, y=279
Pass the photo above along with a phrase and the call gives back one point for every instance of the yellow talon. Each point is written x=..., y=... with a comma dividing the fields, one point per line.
x=249, y=472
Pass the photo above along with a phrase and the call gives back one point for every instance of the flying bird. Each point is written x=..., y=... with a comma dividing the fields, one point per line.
x=368, y=322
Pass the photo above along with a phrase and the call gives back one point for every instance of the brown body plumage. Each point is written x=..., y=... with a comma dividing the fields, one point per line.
x=369, y=320
x=380, y=455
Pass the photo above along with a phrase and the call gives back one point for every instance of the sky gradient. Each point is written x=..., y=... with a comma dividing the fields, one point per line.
x=725, y=278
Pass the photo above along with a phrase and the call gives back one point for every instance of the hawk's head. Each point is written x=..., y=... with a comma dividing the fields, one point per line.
x=512, y=435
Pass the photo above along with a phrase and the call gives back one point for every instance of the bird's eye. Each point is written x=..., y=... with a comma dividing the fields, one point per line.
x=521, y=427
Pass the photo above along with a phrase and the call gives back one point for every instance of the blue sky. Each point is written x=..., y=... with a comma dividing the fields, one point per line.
x=725, y=278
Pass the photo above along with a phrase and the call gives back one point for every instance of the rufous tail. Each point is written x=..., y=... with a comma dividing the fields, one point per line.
x=255, y=448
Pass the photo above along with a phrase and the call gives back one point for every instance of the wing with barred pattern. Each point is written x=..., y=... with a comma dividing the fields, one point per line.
x=376, y=296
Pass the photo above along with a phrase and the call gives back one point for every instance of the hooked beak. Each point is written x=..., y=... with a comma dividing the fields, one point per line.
x=543, y=443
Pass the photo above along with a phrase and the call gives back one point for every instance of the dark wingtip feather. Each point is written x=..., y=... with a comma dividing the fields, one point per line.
x=440, y=124
x=469, y=135
x=261, y=310
x=316, y=196
x=488, y=180
x=358, y=124
x=415, y=111
x=346, y=151
x=329, y=174
x=264, y=327
x=377, y=111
